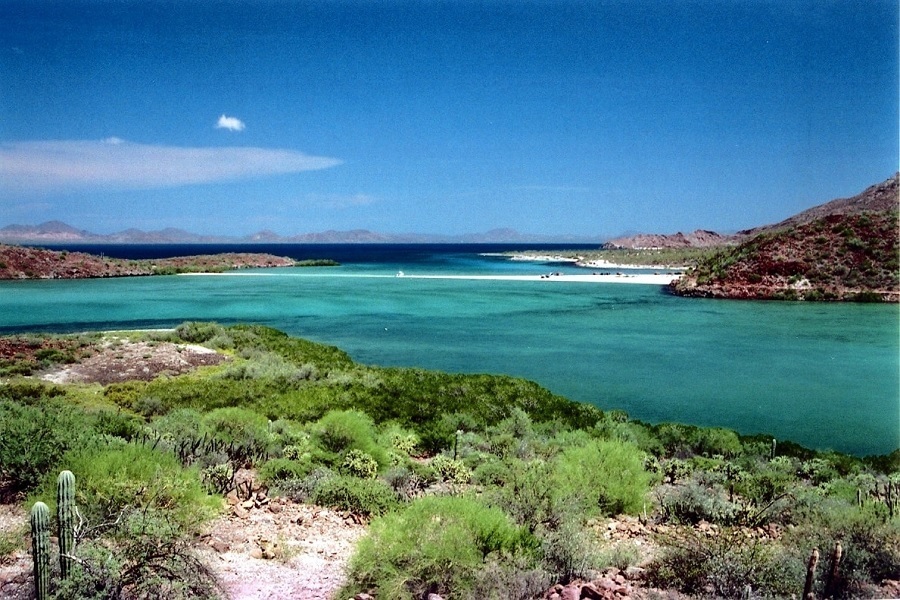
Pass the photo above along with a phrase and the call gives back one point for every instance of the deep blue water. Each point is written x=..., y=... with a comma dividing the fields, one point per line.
x=824, y=375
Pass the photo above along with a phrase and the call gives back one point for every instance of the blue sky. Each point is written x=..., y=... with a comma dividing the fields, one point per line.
x=549, y=117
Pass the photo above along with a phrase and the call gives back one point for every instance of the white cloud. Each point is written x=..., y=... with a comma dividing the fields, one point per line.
x=230, y=123
x=45, y=166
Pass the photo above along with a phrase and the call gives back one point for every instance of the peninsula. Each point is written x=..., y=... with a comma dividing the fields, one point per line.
x=20, y=262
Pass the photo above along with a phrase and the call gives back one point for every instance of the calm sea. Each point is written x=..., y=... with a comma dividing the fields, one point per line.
x=824, y=375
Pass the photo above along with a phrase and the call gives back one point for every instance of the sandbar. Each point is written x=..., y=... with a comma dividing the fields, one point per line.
x=638, y=278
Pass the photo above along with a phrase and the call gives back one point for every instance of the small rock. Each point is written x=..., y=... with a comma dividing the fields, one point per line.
x=635, y=573
x=256, y=553
x=434, y=597
x=590, y=592
x=363, y=596
x=219, y=546
x=275, y=508
x=240, y=511
x=248, y=504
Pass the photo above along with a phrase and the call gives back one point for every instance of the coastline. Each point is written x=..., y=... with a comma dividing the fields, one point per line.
x=587, y=264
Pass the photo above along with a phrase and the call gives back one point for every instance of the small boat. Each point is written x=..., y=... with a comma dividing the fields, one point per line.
x=399, y=273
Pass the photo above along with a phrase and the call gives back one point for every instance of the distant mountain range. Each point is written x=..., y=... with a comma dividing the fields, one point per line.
x=877, y=198
x=57, y=232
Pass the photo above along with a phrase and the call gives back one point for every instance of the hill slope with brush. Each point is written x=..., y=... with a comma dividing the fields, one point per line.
x=843, y=250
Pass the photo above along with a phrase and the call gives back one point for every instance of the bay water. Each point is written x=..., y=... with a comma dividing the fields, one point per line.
x=823, y=375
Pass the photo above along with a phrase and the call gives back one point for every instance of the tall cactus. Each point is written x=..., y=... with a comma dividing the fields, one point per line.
x=65, y=514
x=40, y=549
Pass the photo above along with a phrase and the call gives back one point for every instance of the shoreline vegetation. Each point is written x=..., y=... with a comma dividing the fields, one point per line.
x=472, y=486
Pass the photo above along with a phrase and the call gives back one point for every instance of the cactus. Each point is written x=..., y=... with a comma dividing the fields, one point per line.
x=772, y=451
x=65, y=514
x=40, y=549
x=811, y=575
x=834, y=575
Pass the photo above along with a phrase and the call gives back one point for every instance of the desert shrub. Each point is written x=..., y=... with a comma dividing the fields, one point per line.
x=150, y=560
x=359, y=464
x=33, y=441
x=438, y=545
x=280, y=469
x=602, y=476
x=118, y=424
x=238, y=425
x=198, y=332
x=342, y=430
x=569, y=551
x=360, y=496
x=303, y=489
x=724, y=564
x=717, y=441
x=691, y=502
x=289, y=433
x=523, y=490
x=871, y=545
x=399, y=439
x=405, y=482
x=180, y=424
x=767, y=481
x=117, y=476
x=450, y=470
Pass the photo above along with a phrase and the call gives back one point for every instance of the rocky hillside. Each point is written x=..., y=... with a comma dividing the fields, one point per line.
x=19, y=262
x=700, y=238
x=880, y=197
x=837, y=256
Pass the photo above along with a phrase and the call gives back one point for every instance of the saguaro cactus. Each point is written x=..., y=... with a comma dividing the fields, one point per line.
x=811, y=575
x=65, y=514
x=40, y=549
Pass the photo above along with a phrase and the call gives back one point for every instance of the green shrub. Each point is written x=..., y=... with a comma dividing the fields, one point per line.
x=360, y=496
x=118, y=424
x=523, y=490
x=180, y=424
x=437, y=545
x=450, y=470
x=602, y=476
x=34, y=440
x=197, y=332
x=238, y=425
x=279, y=469
x=359, y=464
x=342, y=430
x=117, y=476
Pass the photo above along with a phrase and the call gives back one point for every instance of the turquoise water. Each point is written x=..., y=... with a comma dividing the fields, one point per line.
x=824, y=375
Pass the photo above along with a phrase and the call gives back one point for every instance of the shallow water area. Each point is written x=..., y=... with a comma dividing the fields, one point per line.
x=824, y=375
